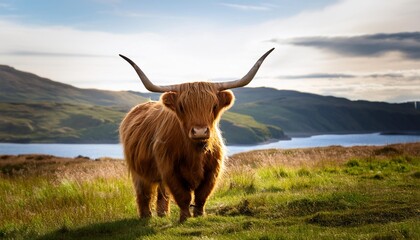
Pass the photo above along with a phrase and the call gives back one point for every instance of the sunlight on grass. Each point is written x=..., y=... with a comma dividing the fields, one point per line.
x=45, y=205
x=373, y=197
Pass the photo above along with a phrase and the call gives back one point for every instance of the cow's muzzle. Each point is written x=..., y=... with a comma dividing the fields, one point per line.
x=200, y=133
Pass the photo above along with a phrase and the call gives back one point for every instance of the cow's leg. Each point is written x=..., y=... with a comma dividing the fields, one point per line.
x=182, y=196
x=162, y=201
x=203, y=191
x=143, y=196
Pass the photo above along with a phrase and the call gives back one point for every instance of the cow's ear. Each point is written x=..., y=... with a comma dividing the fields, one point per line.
x=169, y=100
x=226, y=98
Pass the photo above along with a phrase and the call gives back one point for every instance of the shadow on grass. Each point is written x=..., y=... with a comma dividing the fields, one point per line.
x=352, y=219
x=121, y=229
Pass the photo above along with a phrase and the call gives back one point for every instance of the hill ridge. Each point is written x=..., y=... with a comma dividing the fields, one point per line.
x=258, y=115
x=297, y=112
x=37, y=109
x=19, y=86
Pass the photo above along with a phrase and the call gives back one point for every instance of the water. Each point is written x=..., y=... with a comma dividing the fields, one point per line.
x=63, y=150
x=345, y=140
x=115, y=150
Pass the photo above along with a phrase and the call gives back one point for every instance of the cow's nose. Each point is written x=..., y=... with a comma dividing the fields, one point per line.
x=200, y=132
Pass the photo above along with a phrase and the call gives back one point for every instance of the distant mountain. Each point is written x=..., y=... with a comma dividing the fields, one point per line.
x=36, y=109
x=23, y=87
x=303, y=113
x=59, y=122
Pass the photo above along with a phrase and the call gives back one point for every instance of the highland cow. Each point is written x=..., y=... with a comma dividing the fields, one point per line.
x=174, y=146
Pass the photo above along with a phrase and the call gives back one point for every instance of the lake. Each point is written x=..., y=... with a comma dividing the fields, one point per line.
x=115, y=150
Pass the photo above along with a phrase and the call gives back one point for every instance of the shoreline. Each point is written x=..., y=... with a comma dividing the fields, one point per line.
x=292, y=135
x=287, y=137
x=95, y=151
x=6, y=159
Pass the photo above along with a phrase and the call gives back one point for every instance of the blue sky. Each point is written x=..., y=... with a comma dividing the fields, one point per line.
x=144, y=15
x=358, y=49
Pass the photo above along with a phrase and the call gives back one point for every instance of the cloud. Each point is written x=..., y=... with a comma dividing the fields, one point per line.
x=107, y=1
x=389, y=86
x=138, y=14
x=124, y=13
x=406, y=43
x=244, y=7
x=345, y=75
x=199, y=50
x=6, y=6
x=386, y=75
x=53, y=54
x=318, y=75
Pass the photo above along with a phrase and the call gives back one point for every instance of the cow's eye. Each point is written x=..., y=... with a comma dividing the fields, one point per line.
x=215, y=107
x=181, y=109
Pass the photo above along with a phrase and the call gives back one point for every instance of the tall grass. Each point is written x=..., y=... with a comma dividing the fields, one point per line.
x=39, y=205
x=366, y=197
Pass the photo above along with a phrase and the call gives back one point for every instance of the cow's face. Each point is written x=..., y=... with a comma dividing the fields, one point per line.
x=198, y=106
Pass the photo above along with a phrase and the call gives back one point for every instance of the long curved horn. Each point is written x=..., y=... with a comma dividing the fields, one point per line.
x=146, y=82
x=247, y=78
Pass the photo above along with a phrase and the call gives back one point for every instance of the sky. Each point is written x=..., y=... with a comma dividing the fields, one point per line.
x=357, y=49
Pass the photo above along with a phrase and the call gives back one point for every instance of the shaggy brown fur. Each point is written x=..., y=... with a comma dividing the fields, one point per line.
x=161, y=154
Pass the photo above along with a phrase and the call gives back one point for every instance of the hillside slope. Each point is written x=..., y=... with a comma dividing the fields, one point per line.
x=299, y=113
x=259, y=114
x=71, y=123
x=23, y=87
x=59, y=122
x=36, y=109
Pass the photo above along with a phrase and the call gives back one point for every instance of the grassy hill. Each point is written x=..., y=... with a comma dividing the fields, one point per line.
x=312, y=193
x=23, y=87
x=259, y=114
x=71, y=123
x=244, y=129
x=299, y=113
x=35, y=109
x=59, y=122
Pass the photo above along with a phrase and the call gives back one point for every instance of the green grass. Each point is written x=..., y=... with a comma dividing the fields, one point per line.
x=58, y=122
x=374, y=197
